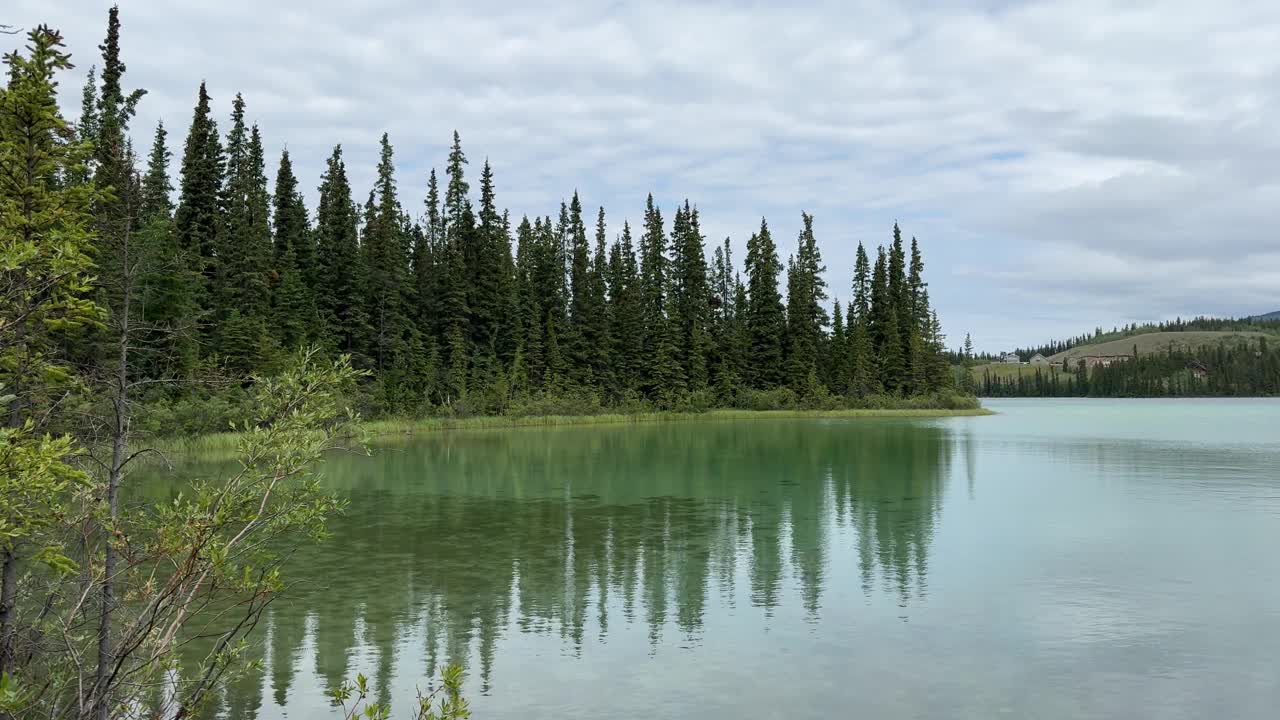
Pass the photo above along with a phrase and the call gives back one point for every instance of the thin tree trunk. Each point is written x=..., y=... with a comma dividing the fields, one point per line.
x=9, y=573
x=119, y=438
x=8, y=597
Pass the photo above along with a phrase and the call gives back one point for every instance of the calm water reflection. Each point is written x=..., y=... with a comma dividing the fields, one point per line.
x=1062, y=559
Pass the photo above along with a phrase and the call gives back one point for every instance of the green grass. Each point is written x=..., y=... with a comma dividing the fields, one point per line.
x=223, y=445
x=1266, y=326
x=1149, y=343
x=412, y=426
x=1007, y=371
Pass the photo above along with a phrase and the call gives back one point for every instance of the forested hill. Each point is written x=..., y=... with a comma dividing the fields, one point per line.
x=447, y=302
x=1246, y=365
x=1269, y=323
x=1199, y=357
x=1157, y=342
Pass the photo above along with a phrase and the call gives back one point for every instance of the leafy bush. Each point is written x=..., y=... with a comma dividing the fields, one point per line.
x=580, y=402
x=782, y=398
x=195, y=414
x=695, y=402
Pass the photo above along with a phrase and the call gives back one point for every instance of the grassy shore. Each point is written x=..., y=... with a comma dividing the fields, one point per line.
x=215, y=444
x=436, y=424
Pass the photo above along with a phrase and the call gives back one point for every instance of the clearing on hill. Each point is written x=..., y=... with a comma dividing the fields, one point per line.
x=1149, y=343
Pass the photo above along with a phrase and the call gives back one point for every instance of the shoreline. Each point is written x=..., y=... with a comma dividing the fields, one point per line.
x=402, y=427
x=394, y=426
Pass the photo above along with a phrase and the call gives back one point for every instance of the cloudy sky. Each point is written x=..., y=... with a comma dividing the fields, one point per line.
x=1065, y=164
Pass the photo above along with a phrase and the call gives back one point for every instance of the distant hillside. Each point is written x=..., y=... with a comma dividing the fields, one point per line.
x=1009, y=371
x=1190, y=363
x=1153, y=342
x=1269, y=323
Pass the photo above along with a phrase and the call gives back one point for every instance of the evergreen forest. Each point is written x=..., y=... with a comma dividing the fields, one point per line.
x=446, y=304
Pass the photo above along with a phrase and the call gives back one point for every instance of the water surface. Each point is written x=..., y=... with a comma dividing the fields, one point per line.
x=1065, y=558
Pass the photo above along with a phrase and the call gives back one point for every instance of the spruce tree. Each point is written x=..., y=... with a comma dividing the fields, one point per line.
x=427, y=256
x=169, y=306
x=690, y=296
x=455, y=197
x=627, y=330
x=242, y=293
x=806, y=317
x=546, y=314
x=918, y=366
x=724, y=376
x=510, y=319
x=835, y=371
x=339, y=265
x=736, y=345
x=293, y=303
x=491, y=253
x=663, y=378
x=891, y=359
x=292, y=232
x=578, y=352
x=155, y=200
x=938, y=369
x=886, y=339
x=127, y=258
x=863, y=369
x=527, y=302
x=386, y=269
x=917, y=287
x=596, y=326
x=118, y=254
x=864, y=372
x=457, y=286
x=766, y=319
x=87, y=126
x=198, y=219
x=113, y=159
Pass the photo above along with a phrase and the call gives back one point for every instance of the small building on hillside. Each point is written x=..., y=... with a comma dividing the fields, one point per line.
x=1011, y=358
x=1039, y=359
x=1103, y=360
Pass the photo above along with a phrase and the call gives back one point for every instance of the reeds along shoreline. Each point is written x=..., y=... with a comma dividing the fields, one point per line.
x=225, y=444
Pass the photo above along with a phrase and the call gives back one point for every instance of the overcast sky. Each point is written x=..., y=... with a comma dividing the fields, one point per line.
x=1064, y=164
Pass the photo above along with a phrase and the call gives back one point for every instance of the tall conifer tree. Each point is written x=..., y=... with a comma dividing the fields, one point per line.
x=293, y=303
x=577, y=350
x=766, y=319
x=387, y=267
x=339, y=265
x=806, y=317
x=628, y=311
x=690, y=296
x=662, y=375
x=198, y=219
x=863, y=369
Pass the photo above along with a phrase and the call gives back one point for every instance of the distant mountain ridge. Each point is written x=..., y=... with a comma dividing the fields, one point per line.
x=1269, y=316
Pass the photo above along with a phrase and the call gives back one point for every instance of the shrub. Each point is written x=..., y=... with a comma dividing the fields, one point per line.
x=782, y=398
x=568, y=403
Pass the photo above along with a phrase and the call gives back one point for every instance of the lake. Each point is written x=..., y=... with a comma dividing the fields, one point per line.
x=1062, y=559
